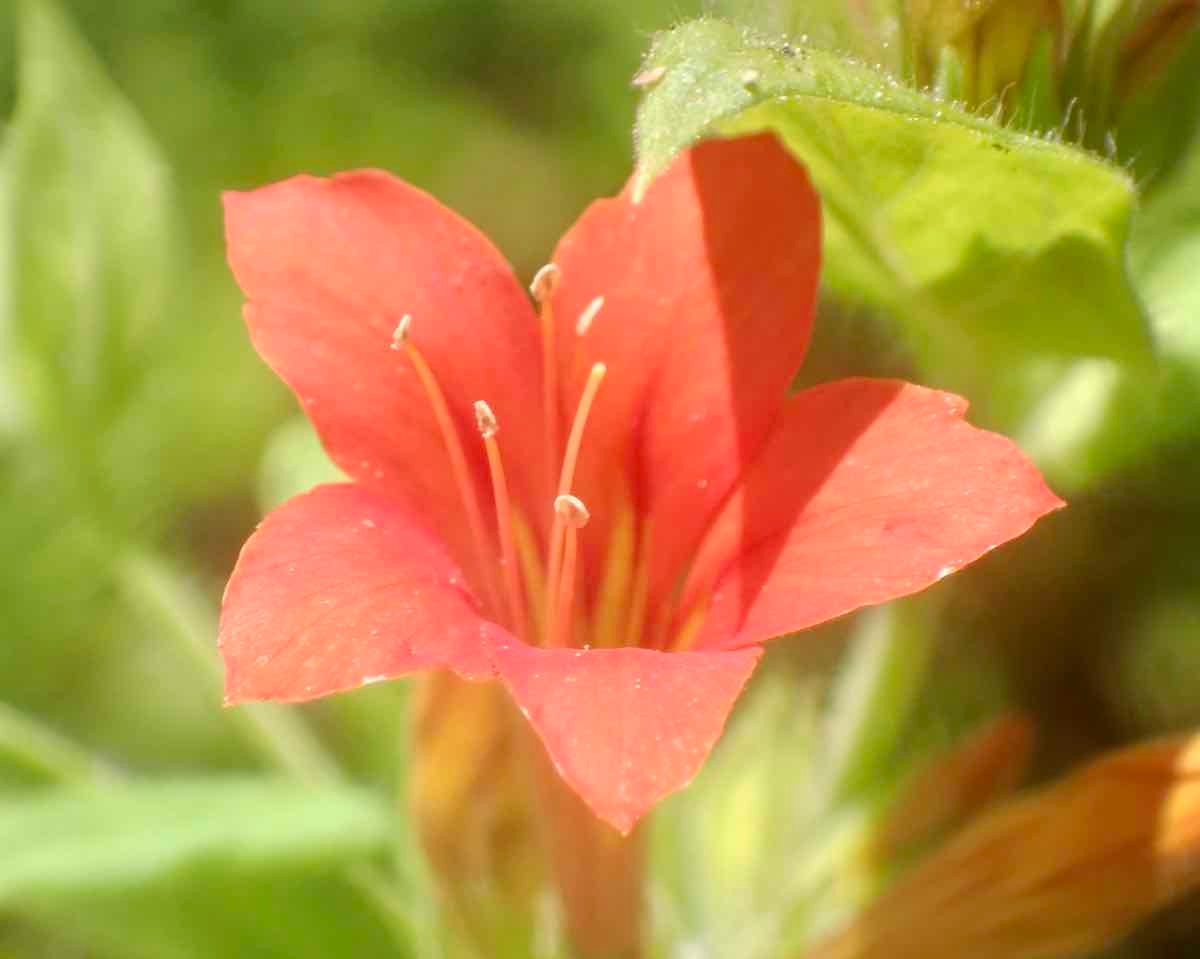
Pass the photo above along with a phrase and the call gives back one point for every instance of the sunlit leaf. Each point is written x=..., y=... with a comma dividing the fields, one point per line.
x=983, y=241
x=197, y=868
x=1095, y=418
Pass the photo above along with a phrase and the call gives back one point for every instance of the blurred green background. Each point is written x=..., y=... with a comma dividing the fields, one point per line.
x=141, y=439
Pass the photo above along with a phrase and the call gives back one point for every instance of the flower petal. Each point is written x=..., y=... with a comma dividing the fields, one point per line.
x=867, y=490
x=329, y=268
x=708, y=284
x=339, y=588
x=625, y=727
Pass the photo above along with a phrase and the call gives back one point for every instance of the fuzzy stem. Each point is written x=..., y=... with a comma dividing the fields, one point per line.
x=597, y=873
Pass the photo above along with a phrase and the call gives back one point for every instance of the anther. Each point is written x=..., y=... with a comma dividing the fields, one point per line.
x=573, y=511
x=588, y=316
x=400, y=334
x=573, y=516
x=561, y=559
x=649, y=76
x=485, y=420
x=545, y=282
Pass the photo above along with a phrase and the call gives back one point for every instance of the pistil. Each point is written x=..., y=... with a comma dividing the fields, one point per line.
x=485, y=421
x=402, y=342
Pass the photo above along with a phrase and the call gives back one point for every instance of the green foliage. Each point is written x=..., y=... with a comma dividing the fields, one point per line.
x=186, y=868
x=1099, y=418
x=969, y=232
x=65, y=843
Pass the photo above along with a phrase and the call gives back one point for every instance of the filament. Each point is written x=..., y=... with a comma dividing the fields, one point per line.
x=454, y=449
x=542, y=288
x=485, y=420
x=565, y=478
x=574, y=516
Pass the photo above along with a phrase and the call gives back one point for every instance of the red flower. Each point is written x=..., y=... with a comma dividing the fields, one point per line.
x=724, y=511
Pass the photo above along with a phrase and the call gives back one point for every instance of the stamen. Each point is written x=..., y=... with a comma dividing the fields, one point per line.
x=401, y=340
x=545, y=282
x=400, y=334
x=565, y=478
x=586, y=398
x=588, y=316
x=571, y=508
x=574, y=516
x=485, y=420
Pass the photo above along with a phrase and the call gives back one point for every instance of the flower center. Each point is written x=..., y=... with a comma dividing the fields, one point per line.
x=570, y=514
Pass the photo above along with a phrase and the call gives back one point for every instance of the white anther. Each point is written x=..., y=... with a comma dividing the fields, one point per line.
x=485, y=420
x=586, y=318
x=400, y=334
x=572, y=510
x=649, y=76
x=545, y=282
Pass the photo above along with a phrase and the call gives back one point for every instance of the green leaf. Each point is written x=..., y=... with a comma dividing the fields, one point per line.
x=875, y=694
x=197, y=868
x=88, y=228
x=980, y=239
x=1098, y=418
x=309, y=915
x=72, y=841
x=294, y=461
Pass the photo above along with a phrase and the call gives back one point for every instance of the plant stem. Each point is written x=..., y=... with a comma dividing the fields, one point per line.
x=46, y=751
x=598, y=873
x=276, y=733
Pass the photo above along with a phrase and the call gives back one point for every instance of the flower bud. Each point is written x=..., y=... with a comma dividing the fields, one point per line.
x=1062, y=872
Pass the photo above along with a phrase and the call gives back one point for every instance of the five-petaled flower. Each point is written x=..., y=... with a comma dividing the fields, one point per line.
x=650, y=392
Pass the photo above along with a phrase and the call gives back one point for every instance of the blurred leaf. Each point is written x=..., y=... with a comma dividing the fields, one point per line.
x=312, y=914
x=71, y=842
x=874, y=696
x=294, y=461
x=1150, y=144
x=197, y=868
x=1094, y=418
x=979, y=238
x=869, y=29
x=89, y=229
x=739, y=849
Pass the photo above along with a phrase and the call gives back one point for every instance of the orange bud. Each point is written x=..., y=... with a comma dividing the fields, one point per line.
x=988, y=765
x=1062, y=872
x=1148, y=51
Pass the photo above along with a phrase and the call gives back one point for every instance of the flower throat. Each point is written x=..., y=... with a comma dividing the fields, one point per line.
x=552, y=620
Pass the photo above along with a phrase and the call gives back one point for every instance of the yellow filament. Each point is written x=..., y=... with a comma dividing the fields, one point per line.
x=611, y=607
x=504, y=529
x=566, y=590
x=590, y=388
x=543, y=290
x=458, y=459
x=534, y=575
x=689, y=632
x=565, y=478
x=641, y=591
